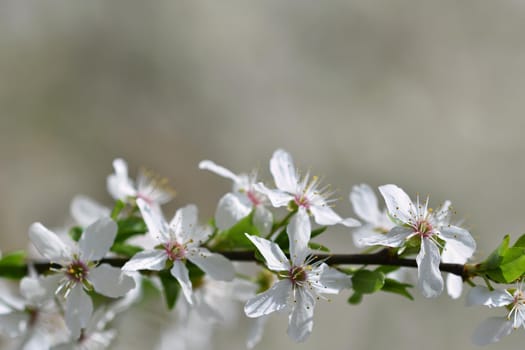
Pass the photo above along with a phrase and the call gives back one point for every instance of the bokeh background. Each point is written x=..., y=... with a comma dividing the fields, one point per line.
x=426, y=95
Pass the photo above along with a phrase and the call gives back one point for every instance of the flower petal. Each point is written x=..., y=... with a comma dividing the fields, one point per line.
x=154, y=220
x=301, y=320
x=215, y=265
x=299, y=231
x=48, y=244
x=85, y=210
x=278, y=198
x=366, y=233
x=180, y=272
x=364, y=202
x=79, y=309
x=184, y=223
x=274, y=299
x=430, y=281
x=14, y=324
x=39, y=289
x=491, y=330
x=454, y=286
x=119, y=184
x=481, y=295
x=331, y=281
x=219, y=170
x=256, y=332
x=459, y=244
x=283, y=171
x=272, y=253
x=97, y=239
x=324, y=215
x=229, y=211
x=395, y=238
x=147, y=260
x=398, y=202
x=263, y=219
x=110, y=281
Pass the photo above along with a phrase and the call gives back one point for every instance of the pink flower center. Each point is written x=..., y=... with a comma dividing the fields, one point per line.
x=145, y=198
x=423, y=228
x=175, y=251
x=297, y=275
x=302, y=201
x=77, y=271
x=252, y=196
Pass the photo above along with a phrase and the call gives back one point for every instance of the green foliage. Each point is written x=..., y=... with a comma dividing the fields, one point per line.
x=235, y=238
x=366, y=281
x=318, y=246
x=126, y=250
x=393, y=286
x=119, y=205
x=171, y=288
x=505, y=264
x=75, y=233
x=13, y=265
x=130, y=227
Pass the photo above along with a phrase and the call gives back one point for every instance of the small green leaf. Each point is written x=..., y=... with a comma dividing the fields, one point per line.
x=13, y=265
x=124, y=249
x=494, y=259
x=235, y=236
x=520, y=242
x=75, y=233
x=171, y=288
x=130, y=227
x=366, y=281
x=119, y=205
x=386, y=269
x=318, y=231
x=317, y=246
x=393, y=286
x=355, y=298
x=512, y=265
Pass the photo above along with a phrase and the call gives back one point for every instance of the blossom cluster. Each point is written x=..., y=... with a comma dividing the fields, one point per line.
x=97, y=270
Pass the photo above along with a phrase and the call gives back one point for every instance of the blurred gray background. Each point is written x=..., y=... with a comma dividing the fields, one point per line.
x=426, y=95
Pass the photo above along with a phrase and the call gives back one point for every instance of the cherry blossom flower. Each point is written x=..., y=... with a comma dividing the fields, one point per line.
x=148, y=187
x=180, y=241
x=306, y=194
x=431, y=227
x=302, y=282
x=241, y=201
x=80, y=272
x=494, y=328
x=85, y=211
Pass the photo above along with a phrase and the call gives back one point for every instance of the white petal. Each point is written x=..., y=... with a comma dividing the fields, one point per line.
x=274, y=299
x=256, y=332
x=480, y=295
x=229, y=211
x=398, y=202
x=219, y=170
x=491, y=330
x=184, y=223
x=119, y=185
x=48, y=244
x=85, y=210
x=283, y=171
x=180, y=272
x=36, y=290
x=364, y=202
x=430, y=281
x=454, y=286
x=215, y=265
x=395, y=238
x=332, y=281
x=110, y=281
x=459, y=242
x=14, y=324
x=366, y=233
x=299, y=230
x=272, y=253
x=278, y=198
x=79, y=308
x=147, y=260
x=154, y=220
x=324, y=215
x=263, y=219
x=350, y=222
x=97, y=239
x=301, y=319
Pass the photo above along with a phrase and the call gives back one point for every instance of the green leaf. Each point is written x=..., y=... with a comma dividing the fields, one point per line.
x=317, y=246
x=124, y=249
x=393, y=286
x=13, y=265
x=495, y=258
x=171, y=288
x=318, y=231
x=355, y=298
x=130, y=227
x=512, y=265
x=75, y=233
x=235, y=236
x=119, y=205
x=366, y=281
x=386, y=269
x=520, y=242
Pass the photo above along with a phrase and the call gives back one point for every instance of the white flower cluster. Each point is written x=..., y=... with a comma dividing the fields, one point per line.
x=56, y=310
